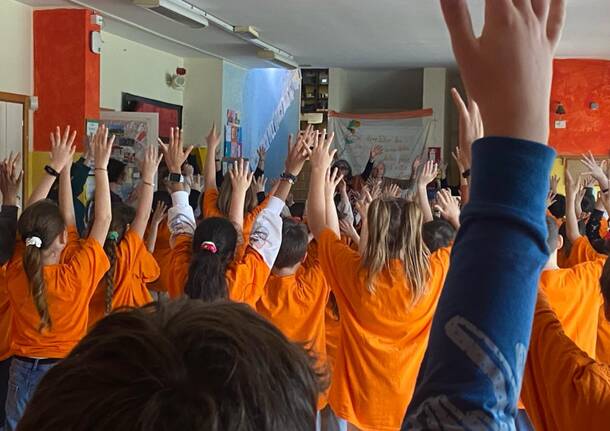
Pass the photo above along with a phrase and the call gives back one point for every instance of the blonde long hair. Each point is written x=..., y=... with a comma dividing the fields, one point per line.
x=224, y=198
x=395, y=232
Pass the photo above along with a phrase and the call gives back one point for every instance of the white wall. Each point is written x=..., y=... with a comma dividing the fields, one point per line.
x=202, y=98
x=134, y=68
x=435, y=97
x=375, y=90
x=16, y=49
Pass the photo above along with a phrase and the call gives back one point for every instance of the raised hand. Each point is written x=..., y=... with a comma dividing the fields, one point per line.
x=174, y=153
x=333, y=178
x=321, y=156
x=363, y=204
x=62, y=148
x=470, y=128
x=375, y=152
x=102, y=147
x=571, y=185
x=150, y=164
x=262, y=154
x=448, y=206
x=347, y=228
x=428, y=173
x=197, y=183
x=240, y=176
x=391, y=191
x=499, y=64
x=260, y=183
x=297, y=154
x=159, y=214
x=213, y=139
x=596, y=170
x=11, y=175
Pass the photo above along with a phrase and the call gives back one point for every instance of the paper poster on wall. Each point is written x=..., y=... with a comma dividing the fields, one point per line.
x=133, y=133
x=402, y=135
x=233, y=141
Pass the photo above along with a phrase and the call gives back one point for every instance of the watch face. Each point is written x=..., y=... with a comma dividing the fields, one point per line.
x=175, y=178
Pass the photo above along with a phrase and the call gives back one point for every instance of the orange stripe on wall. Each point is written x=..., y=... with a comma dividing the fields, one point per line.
x=384, y=116
x=66, y=73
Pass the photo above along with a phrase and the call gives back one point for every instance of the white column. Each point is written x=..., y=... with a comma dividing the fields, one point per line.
x=435, y=97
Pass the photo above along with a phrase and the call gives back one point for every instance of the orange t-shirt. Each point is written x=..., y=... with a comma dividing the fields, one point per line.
x=135, y=267
x=210, y=209
x=162, y=255
x=69, y=288
x=602, y=348
x=246, y=278
x=603, y=227
x=563, y=388
x=383, y=337
x=581, y=252
x=6, y=317
x=575, y=296
x=333, y=338
x=295, y=304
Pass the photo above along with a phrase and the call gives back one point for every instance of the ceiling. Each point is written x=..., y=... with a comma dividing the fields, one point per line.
x=340, y=33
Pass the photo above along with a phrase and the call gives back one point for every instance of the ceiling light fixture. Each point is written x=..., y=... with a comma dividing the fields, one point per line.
x=276, y=59
x=246, y=32
x=176, y=10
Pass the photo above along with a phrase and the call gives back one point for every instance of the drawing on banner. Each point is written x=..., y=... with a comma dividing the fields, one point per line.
x=233, y=141
x=403, y=137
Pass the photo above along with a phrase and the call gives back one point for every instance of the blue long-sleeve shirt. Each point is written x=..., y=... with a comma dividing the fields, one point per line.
x=472, y=371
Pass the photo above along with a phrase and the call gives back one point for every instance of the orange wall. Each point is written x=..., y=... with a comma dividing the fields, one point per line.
x=66, y=73
x=577, y=83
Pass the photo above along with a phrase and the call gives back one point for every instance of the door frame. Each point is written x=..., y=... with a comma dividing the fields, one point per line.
x=25, y=136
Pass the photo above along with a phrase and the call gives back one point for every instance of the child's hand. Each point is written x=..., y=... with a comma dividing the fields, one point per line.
x=595, y=169
x=240, y=175
x=448, y=206
x=262, y=154
x=62, y=149
x=197, y=183
x=150, y=163
x=571, y=185
x=333, y=178
x=159, y=214
x=260, y=184
x=174, y=153
x=391, y=191
x=297, y=154
x=213, y=139
x=362, y=205
x=11, y=175
x=470, y=127
x=102, y=147
x=428, y=173
x=321, y=156
x=347, y=228
x=512, y=62
x=375, y=152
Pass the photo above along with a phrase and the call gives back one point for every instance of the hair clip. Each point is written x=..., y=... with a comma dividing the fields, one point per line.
x=209, y=246
x=113, y=235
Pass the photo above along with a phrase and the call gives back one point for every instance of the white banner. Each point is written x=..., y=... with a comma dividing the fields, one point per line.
x=402, y=135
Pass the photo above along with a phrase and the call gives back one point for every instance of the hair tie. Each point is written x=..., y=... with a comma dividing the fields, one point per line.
x=209, y=246
x=113, y=235
x=33, y=241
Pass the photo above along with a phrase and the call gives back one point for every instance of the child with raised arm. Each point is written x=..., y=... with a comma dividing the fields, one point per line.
x=471, y=375
x=132, y=265
x=386, y=296
x=50, y=296
x=203, y=256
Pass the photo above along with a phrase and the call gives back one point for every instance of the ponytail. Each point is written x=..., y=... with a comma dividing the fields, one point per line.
x=110, y=247
x=32, y=264
x=39, y=225
x=122, y=216
x=214, y=245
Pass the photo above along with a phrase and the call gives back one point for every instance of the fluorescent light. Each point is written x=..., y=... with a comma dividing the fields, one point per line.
x=276, y=59
x=176, y=10
x=247, y=32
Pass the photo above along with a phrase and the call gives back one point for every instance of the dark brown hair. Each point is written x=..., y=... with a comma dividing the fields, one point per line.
x=184, y=365
x=295, y=241
x=122, y=216
x=43, y=220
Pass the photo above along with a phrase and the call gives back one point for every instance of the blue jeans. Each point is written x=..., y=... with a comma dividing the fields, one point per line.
x=4, y=367
x=23, y=379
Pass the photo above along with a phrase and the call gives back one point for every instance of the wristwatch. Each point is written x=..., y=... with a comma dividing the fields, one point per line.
x=466, y=174
x=288, y=177
x=175, y=178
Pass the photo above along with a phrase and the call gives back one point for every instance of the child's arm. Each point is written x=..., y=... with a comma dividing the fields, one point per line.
x=62, y=151
x=209, y=168
x=150, y=165
x=321, y=157
x=180, y=217
x=332, y=180
x=102, y=147
x=10, y=182
x=260, y=166
x=427, y=175
x=155, y=220
x=241, y=178
x=295, y=160
x=474, y=361
x=572, y=231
